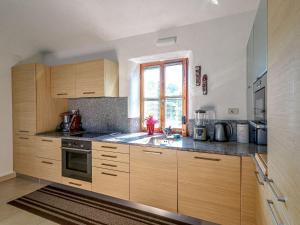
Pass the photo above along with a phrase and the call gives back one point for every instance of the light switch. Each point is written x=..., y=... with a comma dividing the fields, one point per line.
x=233, y=111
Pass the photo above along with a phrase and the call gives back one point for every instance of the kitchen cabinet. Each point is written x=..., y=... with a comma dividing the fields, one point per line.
x=97, y=78
x=111, y=169
x=24, y=155
x=34, y=110
x=63, y=81
x=209, y=187
x=153, y=177
x=77, y=183
x=284, y=106
x=48, y=158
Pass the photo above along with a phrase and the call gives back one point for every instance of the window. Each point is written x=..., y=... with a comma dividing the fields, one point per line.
x=163, y=94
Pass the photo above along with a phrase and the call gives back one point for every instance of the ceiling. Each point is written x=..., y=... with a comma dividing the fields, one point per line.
x=64, y=24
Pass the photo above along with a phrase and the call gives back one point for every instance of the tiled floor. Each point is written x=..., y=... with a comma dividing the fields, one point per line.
x=13, y=189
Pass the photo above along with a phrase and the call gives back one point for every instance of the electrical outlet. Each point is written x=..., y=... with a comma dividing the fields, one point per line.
x=234, y=111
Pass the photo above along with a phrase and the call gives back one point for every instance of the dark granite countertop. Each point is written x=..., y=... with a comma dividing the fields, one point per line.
x=183, y=144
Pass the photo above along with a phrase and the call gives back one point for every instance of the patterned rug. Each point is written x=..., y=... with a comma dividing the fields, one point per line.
x=70, y=208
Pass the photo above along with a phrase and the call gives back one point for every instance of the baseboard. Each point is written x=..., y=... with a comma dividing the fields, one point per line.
x=8, y=176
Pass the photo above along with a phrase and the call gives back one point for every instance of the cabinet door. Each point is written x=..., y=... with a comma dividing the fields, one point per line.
x=24, y=99
x=111, y=182
x=90, y=79
x=209, y=187
x=48, y=148
x=24, y=155
x=49, y=169
x=63, y=81
x=153, y=177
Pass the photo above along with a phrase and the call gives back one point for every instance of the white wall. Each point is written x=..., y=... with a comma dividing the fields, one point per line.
x=219, y=46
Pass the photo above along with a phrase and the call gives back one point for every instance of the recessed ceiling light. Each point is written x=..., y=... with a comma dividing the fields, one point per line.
x=215, y=2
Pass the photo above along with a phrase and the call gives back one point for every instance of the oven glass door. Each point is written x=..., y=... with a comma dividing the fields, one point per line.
x=76, y=161
x=260, y=105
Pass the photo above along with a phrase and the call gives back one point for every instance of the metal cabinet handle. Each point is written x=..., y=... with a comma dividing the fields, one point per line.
x=60, y=94
x=258, y=178
x=152, y=152
x=109, y=156
x=23, y=131
x=279, y=197
x=205, y=158
x=89, y=92
x=75, y=184
x=111, y=147
x=106, y=164
x=45, y=140
x=45, y=162
x=24, y=138
x=274, y=216
x=109, y=174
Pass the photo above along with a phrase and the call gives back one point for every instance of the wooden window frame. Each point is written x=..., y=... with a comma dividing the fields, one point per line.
x=162, y=64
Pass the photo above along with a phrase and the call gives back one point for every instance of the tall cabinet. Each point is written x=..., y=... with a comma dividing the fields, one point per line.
x=34, y=111
x=284, y=108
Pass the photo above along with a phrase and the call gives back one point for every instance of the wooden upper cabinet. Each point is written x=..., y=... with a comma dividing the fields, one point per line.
x=63, y=81
x=34, y=110
x=24, y=99
x=153, y=177
x=209, y=187
x=97, y=78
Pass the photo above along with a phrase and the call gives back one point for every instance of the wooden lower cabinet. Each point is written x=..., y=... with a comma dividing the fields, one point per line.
x=153, y=177
x=48, y=169
x=110, y=182
x=209, y=187
x=24, y=155
x=77, y=183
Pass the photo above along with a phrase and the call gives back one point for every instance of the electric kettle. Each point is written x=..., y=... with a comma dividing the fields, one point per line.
x=223, y=131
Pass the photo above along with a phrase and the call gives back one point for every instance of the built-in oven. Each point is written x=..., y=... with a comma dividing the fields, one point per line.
x=77, y=159
x=260, y=99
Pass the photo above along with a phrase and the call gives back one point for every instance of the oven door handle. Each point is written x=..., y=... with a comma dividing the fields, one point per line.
x=76, y=150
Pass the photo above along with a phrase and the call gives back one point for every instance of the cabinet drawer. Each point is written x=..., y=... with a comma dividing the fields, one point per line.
x=153, y=177
x=49, y=169
x=77, y=183
x=209, y=187
x=111, y=156
x=48, y=148
x=111, y=147
x=22, y=165
x=111, y=165
x=24, y=145
x=112, y=183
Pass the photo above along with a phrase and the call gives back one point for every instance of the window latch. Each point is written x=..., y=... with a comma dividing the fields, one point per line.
x=183, y=120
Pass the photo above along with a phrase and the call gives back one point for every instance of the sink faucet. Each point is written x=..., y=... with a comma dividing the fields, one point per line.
x=167, y=131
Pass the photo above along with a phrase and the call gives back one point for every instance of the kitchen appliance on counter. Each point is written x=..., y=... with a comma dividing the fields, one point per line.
x=77, y=159
x=71, y=122
x=222, y=131
x=200, y=128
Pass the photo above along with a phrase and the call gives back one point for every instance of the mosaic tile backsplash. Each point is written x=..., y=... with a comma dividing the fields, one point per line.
x=105, y=114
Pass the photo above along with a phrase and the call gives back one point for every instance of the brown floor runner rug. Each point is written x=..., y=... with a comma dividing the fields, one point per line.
x=66, y=207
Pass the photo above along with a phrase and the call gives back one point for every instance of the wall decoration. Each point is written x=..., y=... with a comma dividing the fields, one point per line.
x=198, y=75
x=204, y=84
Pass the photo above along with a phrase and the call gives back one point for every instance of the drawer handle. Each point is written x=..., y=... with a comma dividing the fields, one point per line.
x=49, y=163
x=76, y=184
x=24, y=138
x=109, y=156
x=23, y=131
x=257, y=175
x=110, y=147
x=106, y=164
x=205, y=158
x=109, y=174
x=89, y=93
x=271, y=206
x=60, y=94
x=45, y=140
x=152, y=152
x=279, y=197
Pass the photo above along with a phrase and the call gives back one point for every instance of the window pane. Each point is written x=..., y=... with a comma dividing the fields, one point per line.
x=152, y=108
x=173, y=112
x=173, y=80
x=152, y=82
